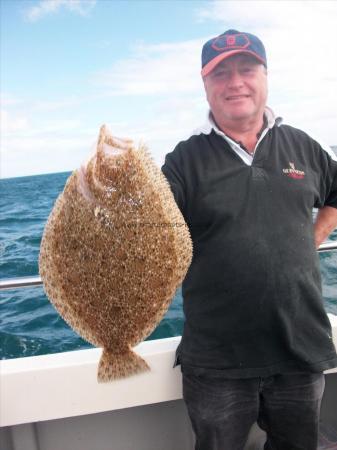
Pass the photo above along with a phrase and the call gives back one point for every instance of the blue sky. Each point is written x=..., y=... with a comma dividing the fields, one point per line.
x=68, y=66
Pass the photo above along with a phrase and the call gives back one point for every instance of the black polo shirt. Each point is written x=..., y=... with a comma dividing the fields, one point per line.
x=252, y=295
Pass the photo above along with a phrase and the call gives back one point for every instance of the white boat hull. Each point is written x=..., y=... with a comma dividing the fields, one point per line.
x=53, y=402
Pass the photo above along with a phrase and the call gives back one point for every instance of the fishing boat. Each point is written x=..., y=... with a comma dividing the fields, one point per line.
x=54, y=402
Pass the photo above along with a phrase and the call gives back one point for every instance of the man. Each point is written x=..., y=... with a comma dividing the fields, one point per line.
x=256, y=338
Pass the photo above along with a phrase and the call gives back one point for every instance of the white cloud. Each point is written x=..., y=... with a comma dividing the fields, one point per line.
x=12, y=123
x=41, y=155
x=53, y=146
x=163, y=82
x=46, y=106
x=155, y=69
x=47, y=7
x=53, y=142
x=8, y=99
x=266, y=15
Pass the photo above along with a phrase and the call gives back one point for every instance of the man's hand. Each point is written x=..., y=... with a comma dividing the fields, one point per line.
x=326, y=222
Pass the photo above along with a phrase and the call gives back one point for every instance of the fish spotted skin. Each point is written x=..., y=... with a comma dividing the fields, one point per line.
x=114, y=250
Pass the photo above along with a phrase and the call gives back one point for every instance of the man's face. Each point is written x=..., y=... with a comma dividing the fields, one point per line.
x=236, y=89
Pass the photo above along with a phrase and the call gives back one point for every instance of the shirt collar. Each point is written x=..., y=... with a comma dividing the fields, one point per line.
x=210, y=125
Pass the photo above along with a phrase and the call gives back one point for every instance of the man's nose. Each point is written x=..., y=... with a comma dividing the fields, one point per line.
x=235, y=80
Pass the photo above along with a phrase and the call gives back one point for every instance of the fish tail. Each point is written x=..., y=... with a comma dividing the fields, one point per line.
x=113, y=365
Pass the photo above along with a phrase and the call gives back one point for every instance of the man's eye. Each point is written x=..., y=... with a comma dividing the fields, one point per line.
x=220, y=73
x=250, y=69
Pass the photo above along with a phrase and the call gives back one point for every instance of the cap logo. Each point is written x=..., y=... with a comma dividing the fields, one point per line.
x=230, y=42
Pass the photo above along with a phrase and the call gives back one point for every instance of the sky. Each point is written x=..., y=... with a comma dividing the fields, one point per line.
x=69, y=66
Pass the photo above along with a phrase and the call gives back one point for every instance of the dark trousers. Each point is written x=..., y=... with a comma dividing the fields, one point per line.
x=286, y=407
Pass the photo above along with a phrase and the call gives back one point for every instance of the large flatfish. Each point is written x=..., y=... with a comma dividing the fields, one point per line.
x=113, y=252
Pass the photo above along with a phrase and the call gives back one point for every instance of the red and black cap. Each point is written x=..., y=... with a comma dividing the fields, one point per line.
x=231, y=42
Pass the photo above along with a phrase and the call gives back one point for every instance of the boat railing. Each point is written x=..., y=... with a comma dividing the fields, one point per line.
x=31, y=281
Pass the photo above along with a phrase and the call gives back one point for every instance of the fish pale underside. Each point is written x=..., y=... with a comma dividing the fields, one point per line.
x=113, y=252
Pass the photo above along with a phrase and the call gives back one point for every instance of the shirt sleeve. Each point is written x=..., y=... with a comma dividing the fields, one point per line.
x=328, y=179
x=331, y=196
x=172, y=169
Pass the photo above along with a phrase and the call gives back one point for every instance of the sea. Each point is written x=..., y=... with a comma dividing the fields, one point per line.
x=29, y=324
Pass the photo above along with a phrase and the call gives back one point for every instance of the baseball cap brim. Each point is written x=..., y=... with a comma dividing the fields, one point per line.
x=215, y=61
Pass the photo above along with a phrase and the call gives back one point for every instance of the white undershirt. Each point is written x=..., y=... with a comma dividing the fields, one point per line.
x=246, y=157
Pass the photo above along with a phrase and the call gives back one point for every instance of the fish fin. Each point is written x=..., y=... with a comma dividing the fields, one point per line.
x=113, y=366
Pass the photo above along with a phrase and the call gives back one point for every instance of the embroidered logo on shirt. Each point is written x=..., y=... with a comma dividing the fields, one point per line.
x=294, y=173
